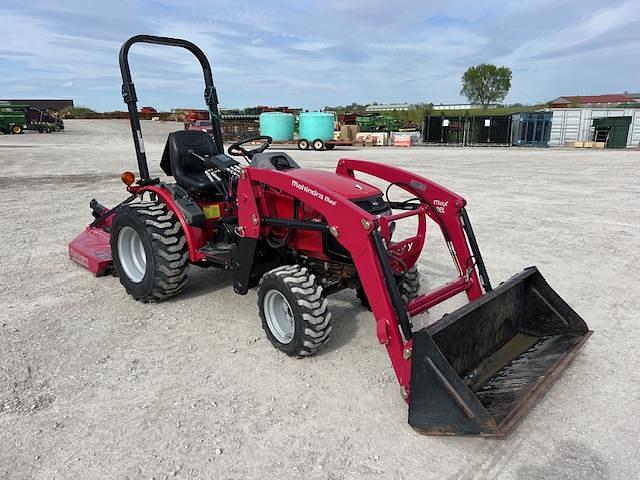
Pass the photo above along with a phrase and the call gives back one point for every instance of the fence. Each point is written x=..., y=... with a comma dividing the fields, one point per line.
x=467, y=130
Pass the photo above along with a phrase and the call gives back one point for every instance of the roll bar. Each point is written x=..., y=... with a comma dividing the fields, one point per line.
x=129, y=93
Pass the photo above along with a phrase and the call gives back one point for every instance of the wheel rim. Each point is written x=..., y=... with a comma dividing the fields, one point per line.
x=131, y=254
x=279, y=316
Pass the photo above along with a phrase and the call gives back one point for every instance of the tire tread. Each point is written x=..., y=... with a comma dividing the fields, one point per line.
x=311, y=303
x=170, y=251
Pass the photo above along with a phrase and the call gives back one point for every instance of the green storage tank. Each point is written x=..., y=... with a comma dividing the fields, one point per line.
x=277, y=125
x=316, y=126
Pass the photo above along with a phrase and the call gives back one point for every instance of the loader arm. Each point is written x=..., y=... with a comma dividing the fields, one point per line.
x=444, y=207
x=353, y=227
x=479, y=369
x=363, y=235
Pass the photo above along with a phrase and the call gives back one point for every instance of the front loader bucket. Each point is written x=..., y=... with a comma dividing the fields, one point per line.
x=478, y=370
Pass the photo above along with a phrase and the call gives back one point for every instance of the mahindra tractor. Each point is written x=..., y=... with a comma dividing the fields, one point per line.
x=298, y=235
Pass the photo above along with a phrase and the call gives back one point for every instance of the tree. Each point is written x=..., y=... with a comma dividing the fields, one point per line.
x=486, y=83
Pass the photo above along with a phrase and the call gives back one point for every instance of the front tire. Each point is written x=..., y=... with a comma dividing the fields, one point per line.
x=149, y=251
x=294, y=310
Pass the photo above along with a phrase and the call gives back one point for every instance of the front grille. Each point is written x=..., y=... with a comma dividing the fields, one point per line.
x=375, y=206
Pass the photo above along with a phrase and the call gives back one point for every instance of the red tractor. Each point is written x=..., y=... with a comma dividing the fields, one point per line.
x=193, y=116
x=300, y=234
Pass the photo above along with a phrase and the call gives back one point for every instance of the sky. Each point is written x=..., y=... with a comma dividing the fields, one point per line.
x=314, y=53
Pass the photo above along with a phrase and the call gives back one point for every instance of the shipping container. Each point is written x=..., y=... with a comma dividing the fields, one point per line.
x=531, y=129
x=572, y=125
x=613, y=131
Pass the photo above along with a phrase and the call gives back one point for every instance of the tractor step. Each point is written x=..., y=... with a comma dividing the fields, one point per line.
x=219, y=254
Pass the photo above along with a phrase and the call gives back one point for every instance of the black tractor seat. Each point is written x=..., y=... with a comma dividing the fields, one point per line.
x=178, y=159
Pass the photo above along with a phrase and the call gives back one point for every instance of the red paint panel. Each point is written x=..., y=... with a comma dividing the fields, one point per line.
x=92, y=250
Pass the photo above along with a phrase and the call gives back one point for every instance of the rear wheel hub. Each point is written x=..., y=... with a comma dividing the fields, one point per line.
x=133, y=258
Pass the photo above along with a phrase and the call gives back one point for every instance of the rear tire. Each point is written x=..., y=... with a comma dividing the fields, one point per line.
x=318, y=144
x=17, y=129
x=408, y=283
x=329, y=146
x=303, y=144
x=294, y=310
x=149, y=250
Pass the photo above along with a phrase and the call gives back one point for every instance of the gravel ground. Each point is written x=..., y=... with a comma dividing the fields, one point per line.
x=96, y=386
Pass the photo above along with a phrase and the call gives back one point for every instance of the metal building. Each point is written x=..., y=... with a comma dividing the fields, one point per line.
x=41, y=104
x=571, y=125
x=531, y=129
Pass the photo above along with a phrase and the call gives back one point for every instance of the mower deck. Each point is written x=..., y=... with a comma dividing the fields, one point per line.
x=91, y=250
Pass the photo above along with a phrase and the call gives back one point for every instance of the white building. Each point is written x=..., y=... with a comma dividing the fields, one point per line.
x=462, y=106
x=576, y=124
x=389, y=107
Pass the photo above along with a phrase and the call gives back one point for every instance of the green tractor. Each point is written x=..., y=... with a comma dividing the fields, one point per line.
x=18, y=118
x=12, y=120
x=377, y=123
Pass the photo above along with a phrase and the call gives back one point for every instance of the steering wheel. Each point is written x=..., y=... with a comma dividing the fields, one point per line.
x=237, y=150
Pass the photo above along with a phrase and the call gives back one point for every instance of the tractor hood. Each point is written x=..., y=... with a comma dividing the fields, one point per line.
x=345, y=186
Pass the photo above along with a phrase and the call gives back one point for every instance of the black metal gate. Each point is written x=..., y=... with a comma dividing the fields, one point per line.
x=489, y=130
x=438, y=129
x=467, y=130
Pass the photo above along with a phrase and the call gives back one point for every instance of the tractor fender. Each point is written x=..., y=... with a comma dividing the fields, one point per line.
x=194, y=235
